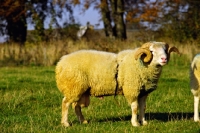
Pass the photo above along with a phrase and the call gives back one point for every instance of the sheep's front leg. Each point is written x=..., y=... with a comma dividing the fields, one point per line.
x=65, y=108
x=196, y=111
x=142, y=107
x=134, y=108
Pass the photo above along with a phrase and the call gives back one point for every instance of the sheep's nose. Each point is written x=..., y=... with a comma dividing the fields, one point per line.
x=164, y=59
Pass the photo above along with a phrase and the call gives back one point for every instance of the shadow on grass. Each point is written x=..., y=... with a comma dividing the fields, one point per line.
x=155, y=116
x=169, y=116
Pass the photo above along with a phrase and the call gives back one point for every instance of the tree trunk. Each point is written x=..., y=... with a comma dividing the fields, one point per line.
x=106, y=17
x=120, y=24
x=16, y=25
x=17, y=30
x=119, y=29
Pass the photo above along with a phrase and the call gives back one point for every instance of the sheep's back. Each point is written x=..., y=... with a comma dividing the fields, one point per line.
x=87, y=69
x=195, y=75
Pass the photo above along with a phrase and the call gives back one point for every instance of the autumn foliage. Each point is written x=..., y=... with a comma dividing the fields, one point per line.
x=181, y=17
x=12, y=9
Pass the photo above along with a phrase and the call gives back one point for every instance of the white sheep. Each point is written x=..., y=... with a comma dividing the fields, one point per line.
x=195, y=84
x=83, y=29
x=132, y=73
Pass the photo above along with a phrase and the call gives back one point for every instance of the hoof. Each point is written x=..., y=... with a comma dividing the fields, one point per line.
x=196, y=120
x=135, y=124
x=85, y=122
x=66, y=124
x=144, y=123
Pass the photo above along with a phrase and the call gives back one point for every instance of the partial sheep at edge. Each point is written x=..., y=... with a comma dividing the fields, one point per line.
x=195, y=84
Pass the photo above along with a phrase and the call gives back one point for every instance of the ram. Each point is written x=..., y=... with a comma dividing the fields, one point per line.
x=132, y=73
x=138, y=73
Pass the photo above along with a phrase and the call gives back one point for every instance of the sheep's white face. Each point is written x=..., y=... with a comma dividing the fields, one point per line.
x=159, y=54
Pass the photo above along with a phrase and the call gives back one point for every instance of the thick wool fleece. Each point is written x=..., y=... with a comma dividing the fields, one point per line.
x=134, y=77
x=86, y=69
x=195, y=76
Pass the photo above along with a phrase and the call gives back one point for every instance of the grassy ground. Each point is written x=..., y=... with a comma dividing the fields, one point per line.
x=31, y=102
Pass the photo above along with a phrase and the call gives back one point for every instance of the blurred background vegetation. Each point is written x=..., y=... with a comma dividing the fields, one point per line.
x=127, y=24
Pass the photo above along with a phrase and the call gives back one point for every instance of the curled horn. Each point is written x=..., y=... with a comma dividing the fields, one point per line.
x=144, y=50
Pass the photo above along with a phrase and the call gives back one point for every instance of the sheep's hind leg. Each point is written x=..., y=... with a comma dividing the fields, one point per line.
x=65, y=108
x=142, y=107
x=134, y=108
x=83, y=102
x=196, y=111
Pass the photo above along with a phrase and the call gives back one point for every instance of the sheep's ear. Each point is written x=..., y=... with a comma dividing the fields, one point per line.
x=172, y=49
x=143, y=51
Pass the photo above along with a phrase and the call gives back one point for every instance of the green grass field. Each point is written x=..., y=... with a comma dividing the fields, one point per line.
x=31, y=102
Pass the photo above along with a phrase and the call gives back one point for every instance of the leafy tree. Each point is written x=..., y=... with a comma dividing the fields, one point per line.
x=14, y=15
x=53, y=10
x=184, y=19
x=178, y=19
x=181, y=17
x=193, y=18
